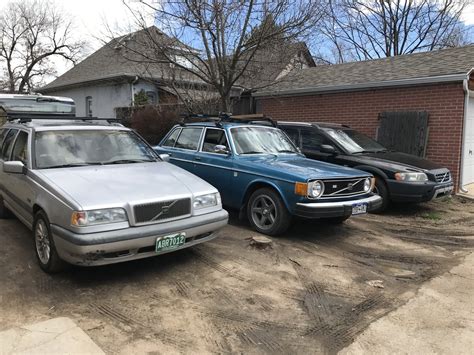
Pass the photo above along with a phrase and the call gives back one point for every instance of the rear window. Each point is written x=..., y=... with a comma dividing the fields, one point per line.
x=189, y=138
x=39, y=105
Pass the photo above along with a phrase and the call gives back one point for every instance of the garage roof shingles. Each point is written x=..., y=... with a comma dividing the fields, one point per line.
x=433, y=64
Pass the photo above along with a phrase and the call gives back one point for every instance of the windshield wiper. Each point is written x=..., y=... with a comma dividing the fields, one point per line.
x=129, y=161
x=71, y=165
x=286, y=151
x=253, y=152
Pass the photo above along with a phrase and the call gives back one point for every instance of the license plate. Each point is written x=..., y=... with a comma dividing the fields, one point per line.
x=359, y=208
x=170, y=242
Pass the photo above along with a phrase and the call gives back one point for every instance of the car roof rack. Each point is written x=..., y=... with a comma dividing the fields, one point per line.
x=227, y=117
x=24, y=118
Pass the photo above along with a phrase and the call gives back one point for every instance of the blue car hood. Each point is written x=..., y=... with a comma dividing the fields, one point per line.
x=296, y=167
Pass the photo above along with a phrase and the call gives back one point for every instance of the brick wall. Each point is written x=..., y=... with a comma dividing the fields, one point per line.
x=360, y=110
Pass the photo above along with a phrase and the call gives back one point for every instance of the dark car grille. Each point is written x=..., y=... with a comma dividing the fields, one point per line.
x=346, y=187
x=159, y=211
x=444, y=176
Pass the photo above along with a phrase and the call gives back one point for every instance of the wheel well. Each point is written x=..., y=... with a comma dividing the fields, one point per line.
x=36, y=209
x=254, y=187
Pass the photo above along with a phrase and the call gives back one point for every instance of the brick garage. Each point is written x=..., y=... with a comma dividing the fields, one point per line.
x=313, y=95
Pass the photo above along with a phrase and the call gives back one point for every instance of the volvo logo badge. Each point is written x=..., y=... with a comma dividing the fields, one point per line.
x=350, y=186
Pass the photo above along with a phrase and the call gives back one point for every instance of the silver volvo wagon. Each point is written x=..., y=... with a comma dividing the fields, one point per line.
x=94, y=192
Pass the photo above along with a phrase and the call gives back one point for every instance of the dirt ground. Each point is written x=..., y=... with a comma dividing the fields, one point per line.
x=315, y=290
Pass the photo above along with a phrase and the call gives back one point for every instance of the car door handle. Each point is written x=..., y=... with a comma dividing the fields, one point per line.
x=197, y=158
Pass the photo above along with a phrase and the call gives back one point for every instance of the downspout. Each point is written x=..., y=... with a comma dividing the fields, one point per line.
x=132, y=89
x=464, y=131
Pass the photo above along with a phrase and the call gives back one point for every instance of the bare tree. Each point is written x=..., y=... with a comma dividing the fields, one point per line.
x=213, y=41
x=32, y=32
x=368, y=29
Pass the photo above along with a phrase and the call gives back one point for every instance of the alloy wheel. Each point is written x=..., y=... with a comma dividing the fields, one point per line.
x=43, y=247
x=264, y=212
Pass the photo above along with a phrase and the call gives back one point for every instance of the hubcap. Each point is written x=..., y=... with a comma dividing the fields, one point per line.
x=43, y=248
x=264, y=212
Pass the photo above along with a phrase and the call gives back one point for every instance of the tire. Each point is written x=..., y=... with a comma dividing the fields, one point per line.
x=4, y=212
x=381, y=190
x=267, y=212
x=336, y=220
x=43, y=243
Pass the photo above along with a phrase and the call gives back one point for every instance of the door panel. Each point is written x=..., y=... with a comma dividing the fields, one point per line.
x=215, y=168
x=468, y=161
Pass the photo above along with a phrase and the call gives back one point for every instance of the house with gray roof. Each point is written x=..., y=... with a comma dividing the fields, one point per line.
x=360, y=94
x=111, y=77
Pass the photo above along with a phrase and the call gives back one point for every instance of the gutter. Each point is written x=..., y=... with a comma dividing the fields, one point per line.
x=362, y=86
x=464, y=131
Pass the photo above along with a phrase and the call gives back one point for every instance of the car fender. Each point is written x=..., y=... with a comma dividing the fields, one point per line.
x=373, y=170
x=251, y=186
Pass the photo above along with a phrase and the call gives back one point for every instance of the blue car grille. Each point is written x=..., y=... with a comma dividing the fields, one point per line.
x=343, y=187
x=164, y=210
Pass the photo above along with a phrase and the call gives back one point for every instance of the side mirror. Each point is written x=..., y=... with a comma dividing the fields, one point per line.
x=14, y=167
x=221, y=149
x=165, y=157
x=329, y=149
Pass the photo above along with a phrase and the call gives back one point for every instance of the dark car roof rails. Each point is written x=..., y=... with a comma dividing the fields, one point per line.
x=227, y=117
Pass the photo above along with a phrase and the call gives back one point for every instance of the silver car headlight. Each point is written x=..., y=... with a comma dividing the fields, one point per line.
x=411, y=177
x=208, y=200
x=104, y=216
x=315, y=189
x=367, y=185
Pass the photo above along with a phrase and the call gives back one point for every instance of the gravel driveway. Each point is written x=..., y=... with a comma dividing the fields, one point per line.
x=314, y=290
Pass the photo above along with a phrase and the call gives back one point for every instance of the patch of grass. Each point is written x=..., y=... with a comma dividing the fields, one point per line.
x=433, y=216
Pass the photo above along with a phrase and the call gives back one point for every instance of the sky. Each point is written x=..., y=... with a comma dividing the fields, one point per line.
x=91, y=15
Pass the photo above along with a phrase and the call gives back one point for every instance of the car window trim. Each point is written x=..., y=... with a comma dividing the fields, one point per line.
x=199, y=141
x=27, y=145
x=14, y=140
x=169, y=135
x=204, y=137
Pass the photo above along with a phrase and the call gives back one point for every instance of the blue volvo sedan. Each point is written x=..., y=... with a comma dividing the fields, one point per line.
x=258, y=170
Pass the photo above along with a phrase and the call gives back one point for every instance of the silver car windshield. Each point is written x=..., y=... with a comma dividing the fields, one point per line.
x=40, y=105
x=261, y=140
x=60, y=149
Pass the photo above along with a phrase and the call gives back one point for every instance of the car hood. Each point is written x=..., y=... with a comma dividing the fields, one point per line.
x=293, y=166
x=397, y=161
x=95, y=187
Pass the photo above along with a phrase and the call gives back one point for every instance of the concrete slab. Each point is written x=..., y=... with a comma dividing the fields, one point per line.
x=54, y=336
x=470, y=192
x=438, y=320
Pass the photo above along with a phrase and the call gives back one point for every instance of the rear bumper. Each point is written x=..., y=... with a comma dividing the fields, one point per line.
x=335, y=209
x=418, y=192
x=134, y=242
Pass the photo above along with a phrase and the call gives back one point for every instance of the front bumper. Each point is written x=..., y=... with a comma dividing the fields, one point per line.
x=134, y=242
x=417, y=192
x=335, y=209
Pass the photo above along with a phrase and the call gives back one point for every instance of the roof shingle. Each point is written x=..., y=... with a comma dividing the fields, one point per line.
x=372, y=73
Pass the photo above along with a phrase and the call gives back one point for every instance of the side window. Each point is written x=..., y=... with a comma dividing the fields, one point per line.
x=212, y=138
x=171, y=140
x=293, y=134
x=189, y=138
x=20, y=149
x=312, y=139
x=8, y=144
x=3, y=133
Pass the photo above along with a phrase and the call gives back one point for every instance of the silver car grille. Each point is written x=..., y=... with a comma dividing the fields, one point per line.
x=444, y=176
x=161, y=211
x=343, y=187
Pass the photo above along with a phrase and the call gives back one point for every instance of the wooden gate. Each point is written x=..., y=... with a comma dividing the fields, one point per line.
x=405, y=131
